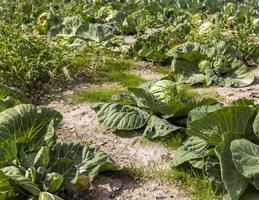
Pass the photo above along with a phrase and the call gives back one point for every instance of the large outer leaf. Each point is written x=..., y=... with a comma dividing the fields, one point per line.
x=3, y=105
x=17, y=178
x=167, y=98
x=256, y=125
x=66, y=168
x=74, y=27
x=176, y=96
x=95, y=32
x=191, y=149
x=7, y=191
x=230, y=119
x=198, y=163
x=158, y=127
x=6, y=91
x=55, y=181
x=237, y=76
x=146, y=99
x=152, y=47
x=190, y=71
x=207, y=63
x=26, y=123
x=70, y=26
x=213, y=172
x=48, y=196
x=42, y=157
x=120, y=117
x=90, y=161
x=234, y=181
x=186, y=60
x=246, y=158
x=244, y=102
x=202, y=111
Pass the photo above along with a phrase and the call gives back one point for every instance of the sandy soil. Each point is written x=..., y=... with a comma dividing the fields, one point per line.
x=146, y=70
x=127, y=149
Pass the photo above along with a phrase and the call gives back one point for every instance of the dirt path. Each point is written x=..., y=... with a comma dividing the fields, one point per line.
x=127, y=149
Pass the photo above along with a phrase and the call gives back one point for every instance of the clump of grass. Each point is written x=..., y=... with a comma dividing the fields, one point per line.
x=32, y=64
x=120, y=70
x=172, y=141
x=96, y=94
x=127, y=78
x=190, y=181
x=162, y=70
x=134, y=172
x=107, y=66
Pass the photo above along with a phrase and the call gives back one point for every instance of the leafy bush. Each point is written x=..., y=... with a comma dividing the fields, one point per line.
x=155, y=46
x=28, y=62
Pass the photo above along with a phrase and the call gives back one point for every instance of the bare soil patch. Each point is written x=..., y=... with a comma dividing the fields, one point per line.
x=127, y=149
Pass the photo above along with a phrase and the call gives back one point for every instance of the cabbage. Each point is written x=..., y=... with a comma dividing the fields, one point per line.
x=163, y=90
x=204, y=64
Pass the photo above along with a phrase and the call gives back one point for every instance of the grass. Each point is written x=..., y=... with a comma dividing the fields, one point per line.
x=96, y=94
x=162, y=70
x=120, y=70
x=110, y=71
x=114, y=74
x=190, y=181
x=135, y=172
x=127, y=78
x=172, y=141
x=106, y=66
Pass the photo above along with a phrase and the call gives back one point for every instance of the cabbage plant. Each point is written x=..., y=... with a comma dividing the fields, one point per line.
x=35, y=164
x=160, y=107
x=210, y=63
x=10, y=96
x=224, y=141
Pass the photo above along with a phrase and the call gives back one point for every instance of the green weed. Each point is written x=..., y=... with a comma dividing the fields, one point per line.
x=120, y=70
x=190, y=181
x=109, y=67
x=30, y=63
x=172, y=141
x=134, y=172
x=127, y=78
x=96, y=94
x=162, y=70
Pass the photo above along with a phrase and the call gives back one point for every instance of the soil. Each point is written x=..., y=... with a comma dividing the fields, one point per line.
x=129, y=150
x=146, y=70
